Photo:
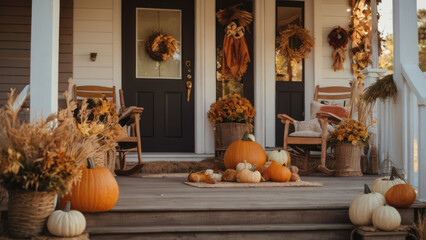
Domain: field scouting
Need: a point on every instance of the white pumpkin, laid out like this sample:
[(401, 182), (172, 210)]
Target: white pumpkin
[(382, 185), (244, 165), (249, 175), (66, 223), (251, 137), (280, 156), (362, 207), (386, 218), (216, 176), (208, 172)]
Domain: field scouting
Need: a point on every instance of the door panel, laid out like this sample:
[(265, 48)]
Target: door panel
[(290, 77), (167, 123)]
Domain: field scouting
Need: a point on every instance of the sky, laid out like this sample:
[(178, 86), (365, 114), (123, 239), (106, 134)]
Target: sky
[(385, 10)]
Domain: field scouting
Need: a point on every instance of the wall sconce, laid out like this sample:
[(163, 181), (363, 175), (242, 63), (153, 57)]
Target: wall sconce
[(93, 56)]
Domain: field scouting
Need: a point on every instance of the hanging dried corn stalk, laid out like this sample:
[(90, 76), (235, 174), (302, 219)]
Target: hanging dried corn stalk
[(338, 39), (361, 37), (235, 51)]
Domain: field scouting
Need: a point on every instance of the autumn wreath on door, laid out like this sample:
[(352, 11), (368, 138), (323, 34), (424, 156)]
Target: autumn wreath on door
[(295, 43), (161, 47), (235, 52)]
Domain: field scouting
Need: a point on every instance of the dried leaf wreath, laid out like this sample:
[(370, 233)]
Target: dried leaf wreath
[(338, 39), (295, 43), (161, 47), (235, 51)]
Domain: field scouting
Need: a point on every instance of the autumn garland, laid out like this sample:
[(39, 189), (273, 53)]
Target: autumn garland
[(284, 43), (161, 47), (338, 39), (361, 40)]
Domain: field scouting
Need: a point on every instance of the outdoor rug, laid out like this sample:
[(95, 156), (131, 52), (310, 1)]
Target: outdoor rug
[(253, 185)]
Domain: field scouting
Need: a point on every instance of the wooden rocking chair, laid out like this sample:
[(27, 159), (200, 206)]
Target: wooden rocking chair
[(129, 117), (304, 145)]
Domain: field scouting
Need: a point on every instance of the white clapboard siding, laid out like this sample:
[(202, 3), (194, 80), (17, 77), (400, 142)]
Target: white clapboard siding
[(94, 31), (333, 13)]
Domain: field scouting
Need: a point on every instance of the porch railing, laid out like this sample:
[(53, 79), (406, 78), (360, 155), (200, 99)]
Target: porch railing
[(414, 126)]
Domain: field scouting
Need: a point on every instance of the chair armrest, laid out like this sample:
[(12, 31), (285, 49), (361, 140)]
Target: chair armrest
[(129, 111), (285, 117)]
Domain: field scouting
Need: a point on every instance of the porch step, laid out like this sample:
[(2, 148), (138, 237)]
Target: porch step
[(226, 218), (258, 231)]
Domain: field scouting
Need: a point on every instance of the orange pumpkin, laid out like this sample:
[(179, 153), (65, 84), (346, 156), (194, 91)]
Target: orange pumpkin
[(244, 149), (277, 173), (96, 192), (401, 195)]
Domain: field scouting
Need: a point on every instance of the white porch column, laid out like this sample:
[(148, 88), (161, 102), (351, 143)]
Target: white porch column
[(44, 57), (406, 64)]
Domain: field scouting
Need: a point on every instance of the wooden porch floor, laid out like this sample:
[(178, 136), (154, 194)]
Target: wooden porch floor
[(166, 208), (171, 194)]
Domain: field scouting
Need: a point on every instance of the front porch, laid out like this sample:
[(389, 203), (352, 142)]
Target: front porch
[(163, 207)]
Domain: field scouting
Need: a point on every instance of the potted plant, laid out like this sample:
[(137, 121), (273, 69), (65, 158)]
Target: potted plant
[(349, 137), (232, 115), (39, 160), (98, 117)]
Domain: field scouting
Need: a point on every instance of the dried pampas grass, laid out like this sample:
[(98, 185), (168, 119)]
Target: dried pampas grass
[(44, 154)]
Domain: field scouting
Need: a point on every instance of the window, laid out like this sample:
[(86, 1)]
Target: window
[(149, 21)]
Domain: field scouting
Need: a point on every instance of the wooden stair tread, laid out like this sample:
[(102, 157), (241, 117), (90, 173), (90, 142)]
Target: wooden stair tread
[(219, 228)]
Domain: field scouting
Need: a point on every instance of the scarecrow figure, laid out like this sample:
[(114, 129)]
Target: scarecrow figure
[(235, 52)]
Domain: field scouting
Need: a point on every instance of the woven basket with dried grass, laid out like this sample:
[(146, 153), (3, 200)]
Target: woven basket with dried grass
[(28, 212), (39, 160)]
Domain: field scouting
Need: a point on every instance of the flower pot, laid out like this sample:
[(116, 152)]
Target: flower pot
[(227, 133), (28, 212), (348, 160)]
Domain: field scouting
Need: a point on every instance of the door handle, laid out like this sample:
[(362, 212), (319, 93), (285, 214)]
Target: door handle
[(188, 89)]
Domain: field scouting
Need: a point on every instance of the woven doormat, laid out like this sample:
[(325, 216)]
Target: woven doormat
[(254, 185)]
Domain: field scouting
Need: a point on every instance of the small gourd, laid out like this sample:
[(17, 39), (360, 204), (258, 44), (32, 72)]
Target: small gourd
[(249, 175), (66, 223), (230, 175), (216, 176), (251, 137), (197, 177), (241, 166), (363, 205), (208, 172), (280, 156), (383, 184), (386, 218)]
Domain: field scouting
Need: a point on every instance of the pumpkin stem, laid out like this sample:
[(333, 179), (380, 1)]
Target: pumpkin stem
[(253, 168), (366, 189), (246, 136), (395, 173), (90, 163), (67, 207)]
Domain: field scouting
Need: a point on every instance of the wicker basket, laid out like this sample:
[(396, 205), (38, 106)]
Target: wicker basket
[(106, 158), (28, 212), (227, 133), (348, 160)]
